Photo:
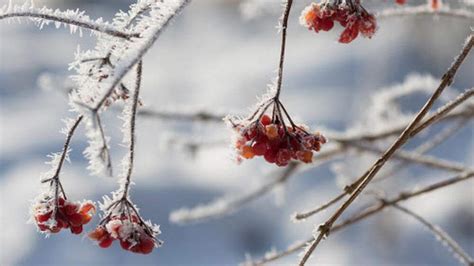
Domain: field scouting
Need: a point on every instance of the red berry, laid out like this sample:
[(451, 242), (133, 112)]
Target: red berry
[(327, 24), (283, 156), (70, 208), (106, 242), (61, 201), (135, 249), (271, 131), (349, 34), (87, 208), (125, 244), (259, 148), (41, 218), (251, 133), (42, 227), (75, 219), (265, 120), (86, 218), (61, 223), (270, 156), (76, 229), (98, 234), (247, 152), (146, 244), (305, 156)]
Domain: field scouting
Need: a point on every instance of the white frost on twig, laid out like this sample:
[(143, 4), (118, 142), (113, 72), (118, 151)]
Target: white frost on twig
[(74, 19)]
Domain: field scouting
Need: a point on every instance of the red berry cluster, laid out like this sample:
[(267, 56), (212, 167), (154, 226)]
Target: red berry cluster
[(350, 15), (276, 143), (130, 232), (67, 215)]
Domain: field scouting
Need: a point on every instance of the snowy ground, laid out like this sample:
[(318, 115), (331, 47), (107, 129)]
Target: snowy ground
[(213, 58)]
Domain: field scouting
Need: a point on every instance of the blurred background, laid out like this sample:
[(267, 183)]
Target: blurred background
[(218, 56)]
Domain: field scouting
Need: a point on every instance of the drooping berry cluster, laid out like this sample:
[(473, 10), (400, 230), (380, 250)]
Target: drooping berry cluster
[(51, 216), (129, 229), (272, 139), (350, 14)]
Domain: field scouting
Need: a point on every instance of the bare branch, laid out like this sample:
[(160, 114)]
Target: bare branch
[(441, 114), (402, 139), (444, 110), (200, 115), (227, 205), (413, 157), (374, 209), (430, 144), (224, 206)]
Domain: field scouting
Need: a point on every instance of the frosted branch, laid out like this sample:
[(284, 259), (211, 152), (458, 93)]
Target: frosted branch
[(227, 205), (401, 140), (72, 18), (160, 20), (368, 212)]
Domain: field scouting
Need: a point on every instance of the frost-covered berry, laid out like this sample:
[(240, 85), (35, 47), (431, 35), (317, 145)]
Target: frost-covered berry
[(52, 215), (133, 234), (350, 14)]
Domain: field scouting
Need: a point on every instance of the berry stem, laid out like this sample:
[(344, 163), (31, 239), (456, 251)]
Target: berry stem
[(132, 130), (55, 179), (286, 14)]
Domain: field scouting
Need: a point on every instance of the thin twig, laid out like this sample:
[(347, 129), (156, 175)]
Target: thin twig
[(201, 116), (433, 142), (284, 26), (374, 209), (224, 206), (105, 150), (402, 139), (467, 112), (441, 114), (413, 157), (444, 110), (221, 207), (442, 235), (54, 180), (408, 157)]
